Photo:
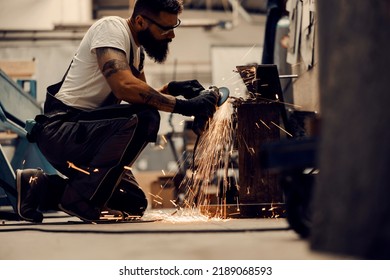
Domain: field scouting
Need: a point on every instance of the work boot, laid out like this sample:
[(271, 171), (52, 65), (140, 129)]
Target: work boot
[(128, 197), (29, 185), (74, 204)]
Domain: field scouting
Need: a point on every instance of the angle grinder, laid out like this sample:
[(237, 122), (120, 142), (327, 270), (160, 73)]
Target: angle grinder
[(200, 122)]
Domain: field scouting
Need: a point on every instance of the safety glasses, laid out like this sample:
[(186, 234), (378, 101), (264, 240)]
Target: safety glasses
[(166, 29)]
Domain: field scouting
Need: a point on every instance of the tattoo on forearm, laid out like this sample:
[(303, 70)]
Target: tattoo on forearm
[(113, 66), (156, 100), (147, 98)]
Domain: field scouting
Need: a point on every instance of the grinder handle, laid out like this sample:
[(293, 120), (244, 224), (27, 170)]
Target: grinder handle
[(199, 124)]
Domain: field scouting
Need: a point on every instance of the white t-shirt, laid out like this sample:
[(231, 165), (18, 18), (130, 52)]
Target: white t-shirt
[(85, 86)]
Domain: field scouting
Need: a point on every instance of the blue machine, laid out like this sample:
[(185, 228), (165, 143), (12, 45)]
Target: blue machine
[(16, 106)]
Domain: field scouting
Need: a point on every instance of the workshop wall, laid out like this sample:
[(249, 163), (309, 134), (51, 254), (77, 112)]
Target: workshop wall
[(43, 14)]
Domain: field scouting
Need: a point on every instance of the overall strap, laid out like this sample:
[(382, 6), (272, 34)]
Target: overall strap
[(52, 105), (136, 72), (55, 88), (66, 73)]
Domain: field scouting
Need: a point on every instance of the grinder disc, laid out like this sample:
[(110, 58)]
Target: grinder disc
[(224, 92)]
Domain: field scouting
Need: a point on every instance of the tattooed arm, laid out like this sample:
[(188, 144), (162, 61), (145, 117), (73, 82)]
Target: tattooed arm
[(114, 66)]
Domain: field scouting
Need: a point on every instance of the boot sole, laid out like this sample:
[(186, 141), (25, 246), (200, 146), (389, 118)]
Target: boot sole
[(71, 213)]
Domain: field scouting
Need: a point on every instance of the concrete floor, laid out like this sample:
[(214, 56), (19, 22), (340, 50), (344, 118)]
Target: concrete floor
[(158, 236)]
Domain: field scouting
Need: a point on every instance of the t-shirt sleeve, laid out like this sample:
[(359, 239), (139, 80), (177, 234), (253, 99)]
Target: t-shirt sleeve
[(109, 33)]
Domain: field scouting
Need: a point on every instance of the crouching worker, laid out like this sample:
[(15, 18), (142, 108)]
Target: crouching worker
[(89, 135)]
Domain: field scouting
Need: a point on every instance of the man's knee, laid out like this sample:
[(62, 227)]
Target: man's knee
[(153, 116), (150, 120)]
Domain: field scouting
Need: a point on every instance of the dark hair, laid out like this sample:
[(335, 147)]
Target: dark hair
[(154, 7)]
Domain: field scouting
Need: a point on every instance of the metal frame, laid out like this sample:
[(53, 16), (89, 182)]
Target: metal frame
[(12, 118)]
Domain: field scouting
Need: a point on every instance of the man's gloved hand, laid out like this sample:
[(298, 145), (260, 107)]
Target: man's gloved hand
[(188, 89), (202, 105)]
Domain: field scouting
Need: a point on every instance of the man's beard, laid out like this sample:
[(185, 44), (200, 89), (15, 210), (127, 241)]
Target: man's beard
[(156, 49)]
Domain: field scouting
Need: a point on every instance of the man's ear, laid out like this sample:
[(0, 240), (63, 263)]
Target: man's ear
[(139, 22)]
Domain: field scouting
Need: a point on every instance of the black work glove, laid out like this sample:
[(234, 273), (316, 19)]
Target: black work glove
[(188, 89), (202, 105)]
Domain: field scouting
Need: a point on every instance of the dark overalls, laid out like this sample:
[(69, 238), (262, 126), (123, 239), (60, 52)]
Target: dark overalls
[(93, 149)]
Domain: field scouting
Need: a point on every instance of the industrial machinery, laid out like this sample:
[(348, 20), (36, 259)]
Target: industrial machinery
[(285, 168), (276, 157), (245, 188)]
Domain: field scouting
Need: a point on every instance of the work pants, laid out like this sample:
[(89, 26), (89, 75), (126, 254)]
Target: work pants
[(94, 149)]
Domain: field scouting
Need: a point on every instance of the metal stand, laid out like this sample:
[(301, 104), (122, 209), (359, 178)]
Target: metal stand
[(12, 120)]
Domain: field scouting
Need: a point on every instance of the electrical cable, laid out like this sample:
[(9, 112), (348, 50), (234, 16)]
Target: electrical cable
[(194, 168), (189, 231)]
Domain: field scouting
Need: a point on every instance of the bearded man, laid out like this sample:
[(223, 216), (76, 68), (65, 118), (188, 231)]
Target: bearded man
[(89, 135)]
